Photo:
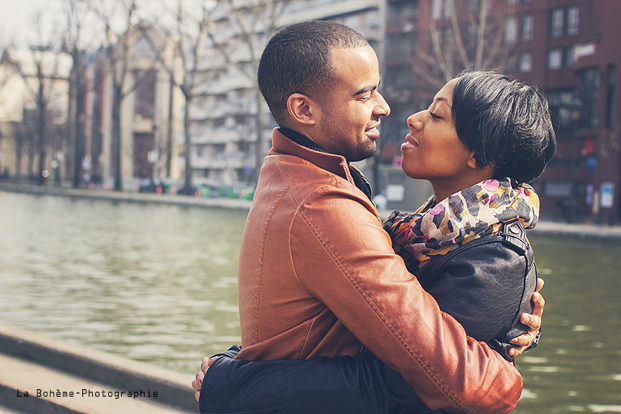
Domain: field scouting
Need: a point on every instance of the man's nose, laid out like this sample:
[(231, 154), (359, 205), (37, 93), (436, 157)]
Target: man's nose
[(382, 108)]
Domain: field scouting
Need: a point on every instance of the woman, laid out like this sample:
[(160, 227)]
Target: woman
[(483, 137)]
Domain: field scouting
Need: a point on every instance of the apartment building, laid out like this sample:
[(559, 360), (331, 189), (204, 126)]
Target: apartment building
[(567, 48), (570, 48), (228, 135)]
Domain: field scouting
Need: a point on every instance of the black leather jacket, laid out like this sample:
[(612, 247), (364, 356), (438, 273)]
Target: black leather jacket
[(486, 285)]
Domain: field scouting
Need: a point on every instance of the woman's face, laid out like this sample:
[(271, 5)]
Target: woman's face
[(434, 152)]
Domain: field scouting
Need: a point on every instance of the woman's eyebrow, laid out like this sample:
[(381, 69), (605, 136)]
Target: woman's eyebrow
[(440, 98)]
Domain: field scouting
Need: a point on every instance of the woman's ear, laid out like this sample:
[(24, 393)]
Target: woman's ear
[(302, 109), (472, 163)]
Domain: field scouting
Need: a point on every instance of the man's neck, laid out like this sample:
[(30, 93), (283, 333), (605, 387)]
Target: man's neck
[(300, 139), (310, 144)]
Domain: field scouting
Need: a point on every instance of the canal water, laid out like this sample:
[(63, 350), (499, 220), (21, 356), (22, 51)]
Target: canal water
[(157, 283)]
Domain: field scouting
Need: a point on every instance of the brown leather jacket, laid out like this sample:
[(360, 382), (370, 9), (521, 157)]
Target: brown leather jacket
[(318, 277)]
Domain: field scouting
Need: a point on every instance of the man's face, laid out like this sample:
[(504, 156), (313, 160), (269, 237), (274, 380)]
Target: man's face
[(352, 106)]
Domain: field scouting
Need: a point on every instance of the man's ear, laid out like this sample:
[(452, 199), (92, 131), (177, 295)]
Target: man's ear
[(302, 109)]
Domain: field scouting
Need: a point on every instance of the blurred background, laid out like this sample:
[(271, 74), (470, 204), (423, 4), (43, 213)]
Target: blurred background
[(161, 95)]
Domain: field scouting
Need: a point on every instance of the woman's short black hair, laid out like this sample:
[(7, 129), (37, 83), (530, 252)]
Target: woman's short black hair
[(505, 122), (297, 60)]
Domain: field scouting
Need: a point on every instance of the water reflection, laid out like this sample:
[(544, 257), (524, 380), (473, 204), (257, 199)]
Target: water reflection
[(577, 366), (154, 283), (158, 283)]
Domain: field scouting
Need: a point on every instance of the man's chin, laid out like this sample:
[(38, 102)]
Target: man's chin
[(364, 153)]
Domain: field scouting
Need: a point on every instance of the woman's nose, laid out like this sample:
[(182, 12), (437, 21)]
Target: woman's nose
[(415, 122)]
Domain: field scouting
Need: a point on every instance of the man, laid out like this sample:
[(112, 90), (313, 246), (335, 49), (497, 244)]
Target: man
[(317, 273)]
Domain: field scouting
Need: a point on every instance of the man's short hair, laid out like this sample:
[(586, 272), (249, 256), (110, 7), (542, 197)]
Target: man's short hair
[(505, 122), (297, 60)]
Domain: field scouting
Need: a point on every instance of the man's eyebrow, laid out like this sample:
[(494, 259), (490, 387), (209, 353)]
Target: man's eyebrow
[(366, 89)]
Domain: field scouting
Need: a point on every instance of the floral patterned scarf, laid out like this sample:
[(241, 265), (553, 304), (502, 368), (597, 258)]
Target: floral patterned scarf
[(437, 228)]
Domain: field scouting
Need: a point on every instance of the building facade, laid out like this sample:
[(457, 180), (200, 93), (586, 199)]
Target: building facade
[(150, 114), (569, 49), (34, 98), (230, 123)]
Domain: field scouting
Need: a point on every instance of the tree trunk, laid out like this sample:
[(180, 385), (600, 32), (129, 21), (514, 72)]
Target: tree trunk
[(41, 128), (169, 131), (187, 188), (78, 154), (260, 150), (18, 159), (116, 139)]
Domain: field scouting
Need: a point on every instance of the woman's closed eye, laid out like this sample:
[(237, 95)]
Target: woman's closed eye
[(434, 116)]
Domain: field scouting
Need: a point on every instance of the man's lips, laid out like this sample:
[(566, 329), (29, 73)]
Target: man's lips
[(372, 132)]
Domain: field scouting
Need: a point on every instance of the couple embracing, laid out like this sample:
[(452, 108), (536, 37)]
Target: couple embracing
[(425, 312)]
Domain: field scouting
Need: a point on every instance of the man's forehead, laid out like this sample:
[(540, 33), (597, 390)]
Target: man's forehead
[(356, 68)]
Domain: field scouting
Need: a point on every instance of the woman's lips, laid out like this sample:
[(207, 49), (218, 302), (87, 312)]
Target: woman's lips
[(409, 143)]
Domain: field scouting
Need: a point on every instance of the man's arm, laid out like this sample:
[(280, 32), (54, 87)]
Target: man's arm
[(337, 385), (233, 384)]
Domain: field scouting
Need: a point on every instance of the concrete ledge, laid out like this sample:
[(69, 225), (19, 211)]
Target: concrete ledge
[(174, 389), (31, 405), (170, 199)]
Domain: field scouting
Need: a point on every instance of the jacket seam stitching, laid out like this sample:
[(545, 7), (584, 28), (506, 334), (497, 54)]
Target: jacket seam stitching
[(310, 328), (384, 319), (257, 295)]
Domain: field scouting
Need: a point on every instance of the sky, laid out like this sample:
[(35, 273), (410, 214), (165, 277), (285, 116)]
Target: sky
[(17, 19)]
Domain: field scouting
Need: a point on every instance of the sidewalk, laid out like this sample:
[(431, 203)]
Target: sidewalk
[(547, 227), (43, 375)]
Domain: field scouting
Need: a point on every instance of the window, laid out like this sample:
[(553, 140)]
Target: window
[(573, 21), (436, 11), (556, 23), (471, 36), (569, 56), (441, 9), (610, 99), (555, 59), (145, 93), (526, 62), (144, 48), (511, 30), (448, 8), (528, 26), (473, 6), (563, 105), (589, 96)]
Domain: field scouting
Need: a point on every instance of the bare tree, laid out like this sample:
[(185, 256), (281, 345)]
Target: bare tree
[(475, 38), (239, 31), (39, 82), (23, 136), (120, 48), (190, 32), (77, 13)]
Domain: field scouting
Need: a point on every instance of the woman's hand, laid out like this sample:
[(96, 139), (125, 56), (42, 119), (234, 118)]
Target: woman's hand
[(533, 321), (198, 381)]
